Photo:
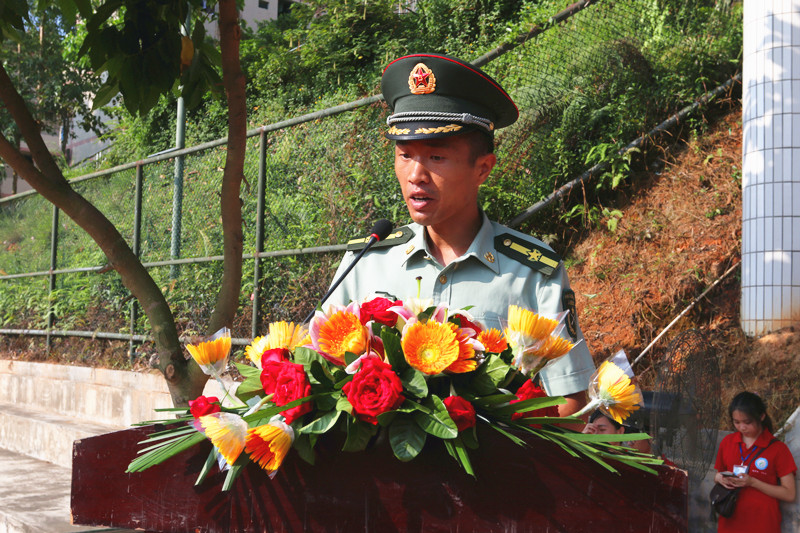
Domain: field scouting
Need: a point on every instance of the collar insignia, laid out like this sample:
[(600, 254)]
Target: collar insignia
[(421, 80)]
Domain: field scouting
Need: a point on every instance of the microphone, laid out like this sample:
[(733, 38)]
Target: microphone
[(380, 230)]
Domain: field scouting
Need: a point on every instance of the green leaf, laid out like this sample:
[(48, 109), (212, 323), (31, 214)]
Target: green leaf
[(211, 460), (438, 423), (343, 404), (414, 382), (406, 438), (248, 371), (349, 357), (304, 446), (318, 372), (358, 435), (457, 450), (587, 437), (249, 388), (104, 94), (393, 349), (323, 423), (489, 375), (233, 473), (305, 356), (529, 405), (165, 451)]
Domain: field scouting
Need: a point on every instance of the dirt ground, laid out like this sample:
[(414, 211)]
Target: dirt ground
[(679, 232)]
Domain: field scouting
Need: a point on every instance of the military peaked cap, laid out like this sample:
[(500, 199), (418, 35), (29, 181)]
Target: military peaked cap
[(434, 95)]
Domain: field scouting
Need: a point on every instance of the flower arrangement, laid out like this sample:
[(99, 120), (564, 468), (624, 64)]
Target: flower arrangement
[(413, 370)]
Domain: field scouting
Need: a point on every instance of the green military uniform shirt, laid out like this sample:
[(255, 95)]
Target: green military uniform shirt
[(485, 278)]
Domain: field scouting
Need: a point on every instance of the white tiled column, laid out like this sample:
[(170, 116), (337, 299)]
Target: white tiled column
[(771, 166)]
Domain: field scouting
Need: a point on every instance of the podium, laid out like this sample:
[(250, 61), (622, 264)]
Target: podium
[(538, 487)]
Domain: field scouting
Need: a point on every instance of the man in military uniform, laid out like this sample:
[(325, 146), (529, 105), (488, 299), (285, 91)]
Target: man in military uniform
[(445, 112)]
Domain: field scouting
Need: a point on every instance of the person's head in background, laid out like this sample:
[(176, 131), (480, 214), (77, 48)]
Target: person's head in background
[(604, 425), (748, 415)]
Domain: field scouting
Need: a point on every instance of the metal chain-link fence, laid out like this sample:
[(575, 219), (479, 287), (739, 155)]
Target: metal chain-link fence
[(597, 74)]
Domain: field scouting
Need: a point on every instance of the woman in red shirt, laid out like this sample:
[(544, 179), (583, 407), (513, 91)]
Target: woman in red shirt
[(769, 478)]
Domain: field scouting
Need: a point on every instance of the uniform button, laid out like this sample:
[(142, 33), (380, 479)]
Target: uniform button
[(442, 279)]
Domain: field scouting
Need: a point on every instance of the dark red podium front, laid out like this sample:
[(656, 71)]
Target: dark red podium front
[(534, 488)]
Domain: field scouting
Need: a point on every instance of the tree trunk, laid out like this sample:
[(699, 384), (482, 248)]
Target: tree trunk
[(231, 206), (185, 379)]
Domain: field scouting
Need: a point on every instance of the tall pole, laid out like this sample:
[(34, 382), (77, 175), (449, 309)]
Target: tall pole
[(770, 166), (177, 180)]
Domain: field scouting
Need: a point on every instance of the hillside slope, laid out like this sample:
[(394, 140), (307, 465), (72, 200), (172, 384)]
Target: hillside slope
[(680, 230)]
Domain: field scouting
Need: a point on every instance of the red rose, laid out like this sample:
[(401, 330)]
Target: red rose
[(461, 411), (377, 310), (274, 355), (530, 390), (269, 375), (466, 323), (375, 389), (288, 381), (204, 406)]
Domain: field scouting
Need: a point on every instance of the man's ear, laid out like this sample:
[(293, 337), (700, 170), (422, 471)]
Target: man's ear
[(484, 165)]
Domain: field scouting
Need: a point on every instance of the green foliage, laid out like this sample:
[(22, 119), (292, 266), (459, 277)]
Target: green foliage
[(585, 88)]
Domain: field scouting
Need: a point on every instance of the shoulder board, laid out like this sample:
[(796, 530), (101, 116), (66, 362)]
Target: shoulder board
[(398, 236), (533, 255)]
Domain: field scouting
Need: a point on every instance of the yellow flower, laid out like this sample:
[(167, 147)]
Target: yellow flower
[(430, 347), (492, 340), (281, 335), (526, 327), (615, 391), (552, 348), (268, 444), (343, 332), (226, 431), (466, 361), (212, 355)]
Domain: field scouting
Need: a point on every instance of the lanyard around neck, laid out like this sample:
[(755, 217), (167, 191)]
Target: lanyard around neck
[(744, 457)]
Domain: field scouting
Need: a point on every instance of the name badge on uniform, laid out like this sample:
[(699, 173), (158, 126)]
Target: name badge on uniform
[(739, 469)]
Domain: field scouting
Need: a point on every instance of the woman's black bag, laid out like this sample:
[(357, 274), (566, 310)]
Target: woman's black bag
[(723, 500)]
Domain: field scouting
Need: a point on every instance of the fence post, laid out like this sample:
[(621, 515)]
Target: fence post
[(262, 179), (51, 284), (137, 232), (177, 190)]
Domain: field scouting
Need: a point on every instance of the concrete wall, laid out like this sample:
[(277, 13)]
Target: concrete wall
[(45, 407)]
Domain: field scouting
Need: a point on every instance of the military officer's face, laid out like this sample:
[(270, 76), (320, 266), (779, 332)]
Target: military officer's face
[(440, 179)]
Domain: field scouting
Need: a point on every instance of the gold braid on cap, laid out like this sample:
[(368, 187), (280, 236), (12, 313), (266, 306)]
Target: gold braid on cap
[(463, 118)]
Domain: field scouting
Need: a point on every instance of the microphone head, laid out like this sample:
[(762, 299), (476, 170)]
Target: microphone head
[(381, 229)]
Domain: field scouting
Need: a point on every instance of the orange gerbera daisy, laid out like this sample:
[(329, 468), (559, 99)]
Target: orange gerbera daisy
[(226, 431), (281, 334), (212, 355), (492, 340), (343, 332), (268, 444), (615, 391), (466, 353), (430, 347)]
